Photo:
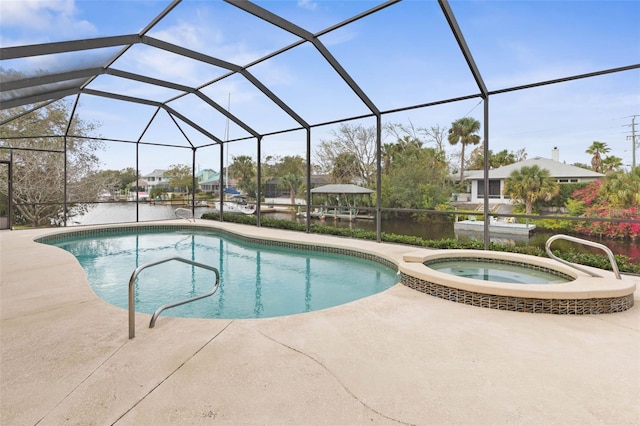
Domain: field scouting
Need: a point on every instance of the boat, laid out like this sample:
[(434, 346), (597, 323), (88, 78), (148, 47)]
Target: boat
[(316, 213), (495, 227), (236, 205), (234, 208)]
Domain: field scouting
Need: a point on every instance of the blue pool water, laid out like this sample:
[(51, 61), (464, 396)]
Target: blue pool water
[(256, 281)]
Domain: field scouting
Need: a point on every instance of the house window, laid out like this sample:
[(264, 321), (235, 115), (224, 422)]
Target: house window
[(494, 188)]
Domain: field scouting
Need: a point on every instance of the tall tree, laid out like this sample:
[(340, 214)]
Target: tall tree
[(290, 164), (498, 159), (611, 164), (407, 139), (291, 171), (417, 178), (113, 181), (39, 168), (180, 177), (356, 140), (344, 168), (407, 133), (243, 169), (388, 151), (622, 189), (464, 131), (436, 135), (530, 184), (597, 149), (420, 136)]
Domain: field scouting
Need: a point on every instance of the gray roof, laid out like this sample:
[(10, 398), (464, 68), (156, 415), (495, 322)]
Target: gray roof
[(156, 173), (556, 170), (341, 189)]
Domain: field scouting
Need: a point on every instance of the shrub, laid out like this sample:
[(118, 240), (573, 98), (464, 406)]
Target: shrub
[(622, 230), (599, 261), (596, 260), (565, 194)]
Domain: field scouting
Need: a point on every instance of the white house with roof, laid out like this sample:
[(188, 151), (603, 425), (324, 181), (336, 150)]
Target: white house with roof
[(561, 172), (206, 179), (156, 178)]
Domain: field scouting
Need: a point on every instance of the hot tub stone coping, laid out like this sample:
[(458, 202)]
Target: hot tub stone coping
[(578, 295)]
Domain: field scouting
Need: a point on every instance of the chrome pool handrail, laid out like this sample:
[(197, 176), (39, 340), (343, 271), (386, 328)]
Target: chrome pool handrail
[(134, 275), (189, 215), (614, 265)]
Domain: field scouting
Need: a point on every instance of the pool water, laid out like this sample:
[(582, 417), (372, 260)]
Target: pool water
[(496, 272), (256, 281)]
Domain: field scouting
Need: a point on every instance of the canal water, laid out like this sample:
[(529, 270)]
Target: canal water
[(120, 212)]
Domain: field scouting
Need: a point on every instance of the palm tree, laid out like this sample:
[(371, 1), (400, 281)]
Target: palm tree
[(596, 149), (464, 131), (622, 189), (530, 184), (244, 170), (392, 151), (611, 164), (387, 153), (292, 182)]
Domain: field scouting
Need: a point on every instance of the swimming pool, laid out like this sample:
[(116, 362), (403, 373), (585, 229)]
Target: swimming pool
[(256, 280)]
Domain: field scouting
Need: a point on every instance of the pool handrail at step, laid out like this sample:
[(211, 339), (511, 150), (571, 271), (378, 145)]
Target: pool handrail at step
[(188, 217), (136, 272), (607, 250)]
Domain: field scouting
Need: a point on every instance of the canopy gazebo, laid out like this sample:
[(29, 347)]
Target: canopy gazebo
[(349, 192)]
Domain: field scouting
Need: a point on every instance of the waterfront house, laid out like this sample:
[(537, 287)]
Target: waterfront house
[(561, 172)]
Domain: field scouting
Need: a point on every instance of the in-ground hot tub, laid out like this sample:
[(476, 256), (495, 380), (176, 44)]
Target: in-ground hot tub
[(503, 271), (499, 280)]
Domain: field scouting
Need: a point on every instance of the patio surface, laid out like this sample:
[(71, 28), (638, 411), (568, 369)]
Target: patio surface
[(396, 358)]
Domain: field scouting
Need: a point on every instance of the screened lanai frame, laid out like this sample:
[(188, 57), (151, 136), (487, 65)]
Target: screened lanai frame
[(44, 89)]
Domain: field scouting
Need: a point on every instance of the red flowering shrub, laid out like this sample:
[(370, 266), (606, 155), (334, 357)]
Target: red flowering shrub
[(597, 205), (590, 195), (619, 230)]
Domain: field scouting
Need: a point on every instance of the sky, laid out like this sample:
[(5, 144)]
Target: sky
[(403, 55)]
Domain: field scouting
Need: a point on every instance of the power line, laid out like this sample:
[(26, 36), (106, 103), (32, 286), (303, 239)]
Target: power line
[(476, 106), (634, 144)]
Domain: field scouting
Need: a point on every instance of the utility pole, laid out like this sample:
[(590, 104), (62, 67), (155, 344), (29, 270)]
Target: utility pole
[(633, 141)]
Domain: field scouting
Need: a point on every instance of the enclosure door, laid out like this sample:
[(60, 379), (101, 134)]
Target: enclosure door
[(5, 195)]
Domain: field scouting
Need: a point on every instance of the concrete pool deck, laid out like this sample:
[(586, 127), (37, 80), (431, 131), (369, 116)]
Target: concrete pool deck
[(398, 357)]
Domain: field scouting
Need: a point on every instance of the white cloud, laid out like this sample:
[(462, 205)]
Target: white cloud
[(188, 35), (40, 17), (307, 4), (207, 40), (340, 36)]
